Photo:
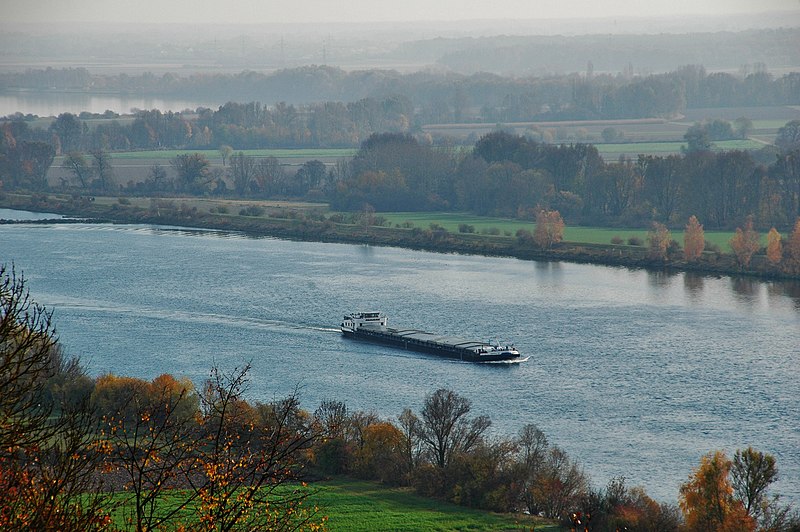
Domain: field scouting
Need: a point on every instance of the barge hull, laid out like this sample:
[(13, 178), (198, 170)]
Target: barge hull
[(410, 339)]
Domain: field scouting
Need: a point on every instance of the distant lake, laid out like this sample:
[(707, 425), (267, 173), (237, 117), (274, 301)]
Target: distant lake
[(53, 104), (634, 373)]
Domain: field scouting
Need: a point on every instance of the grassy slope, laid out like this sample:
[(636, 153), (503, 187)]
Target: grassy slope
[(356, 506), (365, 506)]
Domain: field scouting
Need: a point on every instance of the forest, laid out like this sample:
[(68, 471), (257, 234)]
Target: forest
[(120, 453)]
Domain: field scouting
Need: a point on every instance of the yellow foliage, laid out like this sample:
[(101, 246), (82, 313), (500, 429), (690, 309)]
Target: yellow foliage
[(707, 501), (774, 247), (693, 239), (745, 243), (549, 229)]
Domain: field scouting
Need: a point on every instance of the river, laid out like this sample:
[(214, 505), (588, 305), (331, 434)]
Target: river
[(54, 103), (633, 373)]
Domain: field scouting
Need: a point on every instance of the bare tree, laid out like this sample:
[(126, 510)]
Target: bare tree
[(79, 167), (101, 167), (411, 427), (752, 472), (243, 172), (445, 429), (532, 447)]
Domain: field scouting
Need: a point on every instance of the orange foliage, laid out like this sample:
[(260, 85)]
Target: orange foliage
[(659, 238), (549, 229), (693, 239), (381, 452), (774, 247), (745, 243), (707, 501)]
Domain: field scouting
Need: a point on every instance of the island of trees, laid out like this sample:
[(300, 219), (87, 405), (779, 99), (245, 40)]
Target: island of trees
[(120, 453)]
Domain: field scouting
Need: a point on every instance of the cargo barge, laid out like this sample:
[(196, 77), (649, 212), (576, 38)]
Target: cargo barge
[(373, 327)]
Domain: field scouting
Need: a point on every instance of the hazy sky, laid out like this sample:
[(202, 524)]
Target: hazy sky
[(292, 11)]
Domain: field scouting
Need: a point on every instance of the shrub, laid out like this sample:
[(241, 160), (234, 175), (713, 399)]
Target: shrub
[(635, 241), (466, 228), (123, 201), (617, 240), (252, 210)]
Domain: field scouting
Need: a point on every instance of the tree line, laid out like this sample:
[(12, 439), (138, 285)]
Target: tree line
[(335, 105), (514, 176), (503, 175), (162, 454)]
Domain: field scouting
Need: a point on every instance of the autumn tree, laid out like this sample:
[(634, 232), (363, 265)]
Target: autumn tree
[(707, 498), (745, 243), (150, 438), (46, 470), (549, 229), (381, 454), (659, 238), (693, 239), (792, 250), (250, 459), (774, 246), (560, 484), (618, 507)]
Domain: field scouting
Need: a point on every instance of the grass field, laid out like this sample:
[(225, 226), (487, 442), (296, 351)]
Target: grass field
[(633, 149), (310, 153), (486, 225), (360, 506), (509, 227)]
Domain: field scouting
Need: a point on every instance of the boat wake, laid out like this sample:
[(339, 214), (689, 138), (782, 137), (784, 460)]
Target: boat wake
[(507, 362), (185, 316)]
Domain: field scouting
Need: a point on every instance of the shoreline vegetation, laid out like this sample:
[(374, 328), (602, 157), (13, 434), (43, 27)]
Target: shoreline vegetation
[(308, 222)]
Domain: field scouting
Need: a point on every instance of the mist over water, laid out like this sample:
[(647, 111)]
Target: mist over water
[(633, 373), (46, 104)]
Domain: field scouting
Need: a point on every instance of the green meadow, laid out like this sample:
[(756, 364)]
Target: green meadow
[(358, 506), (505, 227), (362, 506), (632, 149), (309, 153)]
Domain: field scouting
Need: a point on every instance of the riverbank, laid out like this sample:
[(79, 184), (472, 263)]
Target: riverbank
[(306, 222)]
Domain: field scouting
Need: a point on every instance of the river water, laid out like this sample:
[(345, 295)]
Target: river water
[(54, 103), (633, 373)]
